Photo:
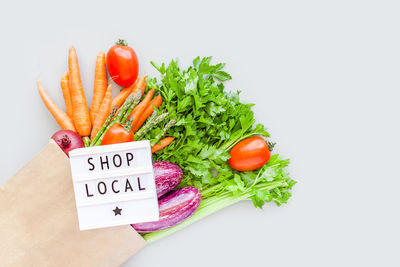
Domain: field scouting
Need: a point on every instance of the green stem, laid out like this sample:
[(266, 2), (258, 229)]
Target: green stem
[(121, 42), (101, 131), (86, 141), (209, 206)]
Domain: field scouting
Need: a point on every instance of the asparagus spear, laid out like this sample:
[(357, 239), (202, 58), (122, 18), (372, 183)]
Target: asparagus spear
[(128, 124), (149, 125), (100, 132), (164, 131), (86, 141), (129, 103), (136, 100)]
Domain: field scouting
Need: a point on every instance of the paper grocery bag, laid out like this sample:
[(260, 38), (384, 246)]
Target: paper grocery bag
[(39, 223)]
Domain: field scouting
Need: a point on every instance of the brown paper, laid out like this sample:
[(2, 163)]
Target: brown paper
[(39, 223)]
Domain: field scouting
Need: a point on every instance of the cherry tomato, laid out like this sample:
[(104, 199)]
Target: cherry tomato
[(249, 154), (117, 134), (122, 64)]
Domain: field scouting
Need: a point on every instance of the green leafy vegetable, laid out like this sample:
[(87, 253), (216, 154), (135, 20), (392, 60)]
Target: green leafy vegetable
[(209, 122)]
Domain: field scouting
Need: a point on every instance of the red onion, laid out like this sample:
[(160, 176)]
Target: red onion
[(68, 140)]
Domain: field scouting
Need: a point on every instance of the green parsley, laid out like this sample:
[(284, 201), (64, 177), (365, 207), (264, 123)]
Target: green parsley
[(209, 122)]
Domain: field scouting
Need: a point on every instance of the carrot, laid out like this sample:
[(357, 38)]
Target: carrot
[(139, 109), (80, 112), (163, 143), (61, 117), (123, 95), (157, 101), (102, 113), (100, 85), (141, 85), (66, 93)]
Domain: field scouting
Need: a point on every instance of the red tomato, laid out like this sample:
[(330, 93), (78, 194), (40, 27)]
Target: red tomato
[(122, 64), (249, 154), (117, 134)]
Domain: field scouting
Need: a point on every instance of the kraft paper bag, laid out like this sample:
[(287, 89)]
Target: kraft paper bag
[(39, 222)]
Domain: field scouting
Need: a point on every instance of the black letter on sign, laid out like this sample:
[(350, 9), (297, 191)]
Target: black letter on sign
[(92, 166), (112, 186), (104, 162), (129, 157), (138, 182), (104, 186), (128, 185), (120, 160), (87, 191)]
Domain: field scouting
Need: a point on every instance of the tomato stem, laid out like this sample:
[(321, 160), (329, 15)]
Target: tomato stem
[(121, 42)]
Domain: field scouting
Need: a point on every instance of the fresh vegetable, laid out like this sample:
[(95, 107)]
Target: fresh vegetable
[(117, 134), (163, 143), (210, 121), (127, 106), (249, 154), (174, 208), (139, 109), (60, 116), (104, 127), (66, 93), (129, 103), (102, 113), (80, 110), (152, 121), (157, 101), (162, 133), (141, 86), (123, 94), (122, 64), (68, 140), (167, 176), (100, 85)]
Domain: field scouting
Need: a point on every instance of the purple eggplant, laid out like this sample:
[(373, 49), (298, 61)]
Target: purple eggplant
[(175, 207), (167, 176)]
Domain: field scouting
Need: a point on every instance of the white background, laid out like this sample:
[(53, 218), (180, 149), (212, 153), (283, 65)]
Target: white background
[(325, 79)]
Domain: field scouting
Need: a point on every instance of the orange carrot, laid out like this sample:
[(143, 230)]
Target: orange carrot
[(66, 93), (123, 95), (141, 85), (163, 143), (157, 101), (80, 112), (139, 109), (103, 112), (61, 117), (100, 85)]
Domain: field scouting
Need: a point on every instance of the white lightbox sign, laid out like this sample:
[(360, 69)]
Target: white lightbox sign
[(114, 185)]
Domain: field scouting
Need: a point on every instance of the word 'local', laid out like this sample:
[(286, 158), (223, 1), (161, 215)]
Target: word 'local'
[(102, 187)]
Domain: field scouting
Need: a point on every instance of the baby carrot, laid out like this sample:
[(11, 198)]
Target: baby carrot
[(100, 85), (157, 101), (80, 112), (163, 143), (139, 109), (61, 117), (66, 93), (102, 113)]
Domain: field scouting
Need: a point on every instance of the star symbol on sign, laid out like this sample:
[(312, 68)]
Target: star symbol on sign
[(117, 211)]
